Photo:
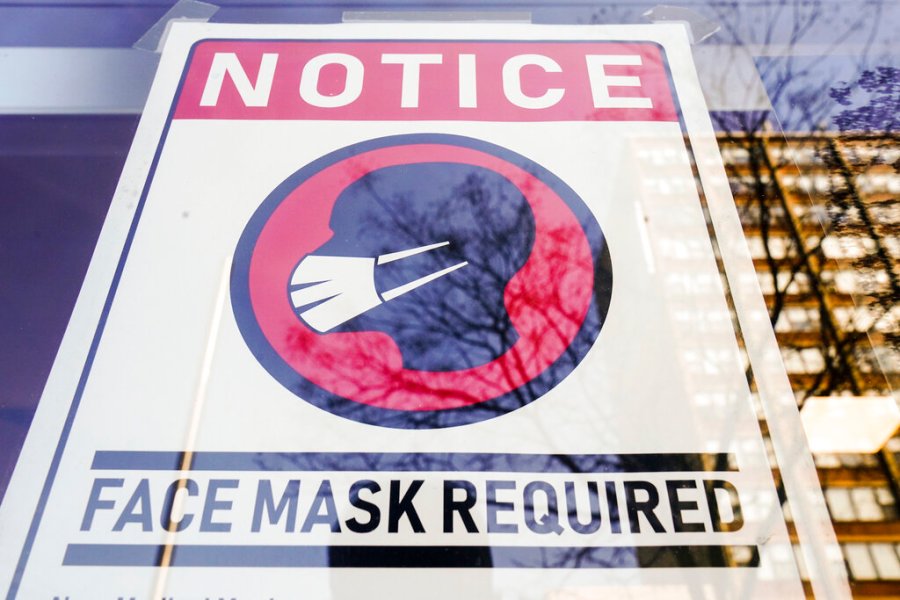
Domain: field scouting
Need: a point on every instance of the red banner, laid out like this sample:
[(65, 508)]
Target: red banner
[(421, 80)]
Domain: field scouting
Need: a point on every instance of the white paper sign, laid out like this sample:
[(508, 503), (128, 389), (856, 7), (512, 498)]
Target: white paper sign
[(418, 311)]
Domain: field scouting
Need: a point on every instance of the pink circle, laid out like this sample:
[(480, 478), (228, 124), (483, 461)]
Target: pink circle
[(547, 300)]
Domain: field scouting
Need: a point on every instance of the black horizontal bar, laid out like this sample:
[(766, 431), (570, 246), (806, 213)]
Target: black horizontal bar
[(414, 557), (413, 462)]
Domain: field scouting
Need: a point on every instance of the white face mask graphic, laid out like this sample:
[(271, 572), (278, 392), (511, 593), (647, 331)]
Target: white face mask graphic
[(343, 287)]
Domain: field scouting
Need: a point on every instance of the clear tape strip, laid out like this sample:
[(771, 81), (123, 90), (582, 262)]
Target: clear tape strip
[(183, 10)]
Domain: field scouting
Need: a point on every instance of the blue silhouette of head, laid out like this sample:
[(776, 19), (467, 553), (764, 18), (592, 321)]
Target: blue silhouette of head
[(457, 321)]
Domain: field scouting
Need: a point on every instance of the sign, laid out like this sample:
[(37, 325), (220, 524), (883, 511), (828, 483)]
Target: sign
[(404, 312)]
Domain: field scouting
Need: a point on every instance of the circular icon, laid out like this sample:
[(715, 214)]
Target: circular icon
[(421, 281)]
